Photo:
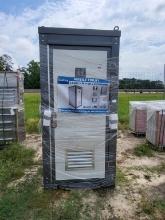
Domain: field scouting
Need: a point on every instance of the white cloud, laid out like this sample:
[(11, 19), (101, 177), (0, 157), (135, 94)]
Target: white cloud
[(142, 23)]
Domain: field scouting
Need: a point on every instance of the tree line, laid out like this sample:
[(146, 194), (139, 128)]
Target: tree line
[(32, 76), (127, 83)]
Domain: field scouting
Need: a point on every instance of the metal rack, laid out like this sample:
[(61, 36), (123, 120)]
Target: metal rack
[(12, 126)]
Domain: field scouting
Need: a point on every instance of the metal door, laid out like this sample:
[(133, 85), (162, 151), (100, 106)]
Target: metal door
[(70, 136), (78, 136)]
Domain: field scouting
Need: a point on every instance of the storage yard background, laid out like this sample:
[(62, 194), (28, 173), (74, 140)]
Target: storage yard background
[(140, 184), (140, 190)]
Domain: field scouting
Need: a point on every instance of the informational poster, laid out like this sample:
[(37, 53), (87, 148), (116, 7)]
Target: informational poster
[(82, 95)]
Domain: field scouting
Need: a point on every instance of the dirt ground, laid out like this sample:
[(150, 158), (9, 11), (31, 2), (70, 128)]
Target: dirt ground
[(125, 201)]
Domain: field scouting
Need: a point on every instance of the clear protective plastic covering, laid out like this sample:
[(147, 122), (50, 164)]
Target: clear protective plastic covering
[(12, 127), (138, 115), (79, 92), (156, 124)]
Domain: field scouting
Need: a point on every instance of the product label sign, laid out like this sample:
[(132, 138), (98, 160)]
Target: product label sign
[(83, 95)]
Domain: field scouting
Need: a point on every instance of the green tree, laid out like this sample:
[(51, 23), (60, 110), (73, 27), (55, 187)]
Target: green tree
[(6, 63), (32, 75), (127, 83)]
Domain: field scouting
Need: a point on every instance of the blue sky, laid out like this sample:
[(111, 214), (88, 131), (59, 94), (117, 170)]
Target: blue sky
[(142, 23), (16, 6)]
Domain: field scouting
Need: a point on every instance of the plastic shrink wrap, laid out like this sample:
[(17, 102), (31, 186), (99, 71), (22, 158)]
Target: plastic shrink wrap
[(12, 127), (79, 93), (138, 115), (156, 125)]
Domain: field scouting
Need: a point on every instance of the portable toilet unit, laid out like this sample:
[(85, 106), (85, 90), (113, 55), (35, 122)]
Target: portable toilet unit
[(79, 96), (75, 96), (12, 127)]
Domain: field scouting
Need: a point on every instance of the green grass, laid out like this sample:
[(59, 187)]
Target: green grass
[(121, 178), (143, 150), (154, 208), (32, 102), (32, 114), (33, 125), (29, 201), (14, 159)]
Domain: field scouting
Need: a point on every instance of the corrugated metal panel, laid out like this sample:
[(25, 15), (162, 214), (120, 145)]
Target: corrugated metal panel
[(11, 107)]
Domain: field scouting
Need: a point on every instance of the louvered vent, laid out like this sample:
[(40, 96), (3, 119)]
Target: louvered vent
[(79, 159)]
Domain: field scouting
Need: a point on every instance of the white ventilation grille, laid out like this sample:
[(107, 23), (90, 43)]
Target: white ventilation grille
[(79, 159)]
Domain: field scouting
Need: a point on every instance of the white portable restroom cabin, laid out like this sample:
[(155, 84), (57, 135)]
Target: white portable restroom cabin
[(12, 127), (79, 137), (75, 96)]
